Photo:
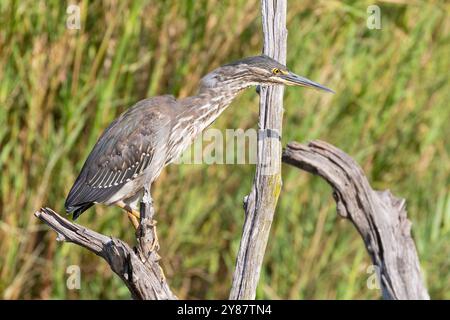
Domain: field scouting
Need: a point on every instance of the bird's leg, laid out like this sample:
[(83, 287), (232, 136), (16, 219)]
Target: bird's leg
[(133, 220), (133, 215)]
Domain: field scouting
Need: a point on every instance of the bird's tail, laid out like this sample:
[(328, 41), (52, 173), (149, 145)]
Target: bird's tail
[(77, 210)]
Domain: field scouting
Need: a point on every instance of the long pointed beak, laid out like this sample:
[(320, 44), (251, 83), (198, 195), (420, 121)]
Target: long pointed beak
[(295, 80)]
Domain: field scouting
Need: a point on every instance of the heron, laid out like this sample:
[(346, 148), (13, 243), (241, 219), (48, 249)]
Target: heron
[(132, 151)]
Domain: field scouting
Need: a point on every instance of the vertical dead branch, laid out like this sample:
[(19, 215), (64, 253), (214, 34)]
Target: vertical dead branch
[(260, 204), (379, 217)]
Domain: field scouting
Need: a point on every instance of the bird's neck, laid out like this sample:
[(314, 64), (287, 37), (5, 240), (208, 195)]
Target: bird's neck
[(198, 112), (210, 105), (211, 101)]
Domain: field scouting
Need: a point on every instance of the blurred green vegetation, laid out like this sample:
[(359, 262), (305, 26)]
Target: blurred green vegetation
[(59, 88)]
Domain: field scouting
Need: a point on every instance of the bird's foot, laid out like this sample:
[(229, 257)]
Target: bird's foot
[(162, 277), (155, 242)]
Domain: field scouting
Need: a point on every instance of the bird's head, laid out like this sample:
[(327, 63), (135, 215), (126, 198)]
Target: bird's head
[(258, 70)]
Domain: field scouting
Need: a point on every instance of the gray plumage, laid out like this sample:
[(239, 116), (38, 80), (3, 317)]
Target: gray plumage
[(135, 147)]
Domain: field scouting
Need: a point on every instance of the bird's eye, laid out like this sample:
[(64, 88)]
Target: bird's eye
[(275, 71)]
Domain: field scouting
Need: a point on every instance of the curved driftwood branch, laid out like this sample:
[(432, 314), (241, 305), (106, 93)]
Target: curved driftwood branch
[(260, 204), (137, 267), (379, 216)]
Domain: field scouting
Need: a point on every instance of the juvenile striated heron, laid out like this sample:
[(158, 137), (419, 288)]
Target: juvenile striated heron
[(134, 148)]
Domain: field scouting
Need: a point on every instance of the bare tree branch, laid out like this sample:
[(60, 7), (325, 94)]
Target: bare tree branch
[(138, 268), (260, 204), (379, 216)]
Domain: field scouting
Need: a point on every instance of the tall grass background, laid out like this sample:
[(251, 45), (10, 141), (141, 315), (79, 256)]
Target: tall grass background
[(60, 88)]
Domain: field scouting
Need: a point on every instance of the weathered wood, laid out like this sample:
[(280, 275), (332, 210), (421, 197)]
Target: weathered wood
[(379, 217), (260, 204), (138, 268)]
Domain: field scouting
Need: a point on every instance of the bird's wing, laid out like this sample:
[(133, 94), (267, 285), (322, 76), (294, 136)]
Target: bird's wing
[(124, 150)]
